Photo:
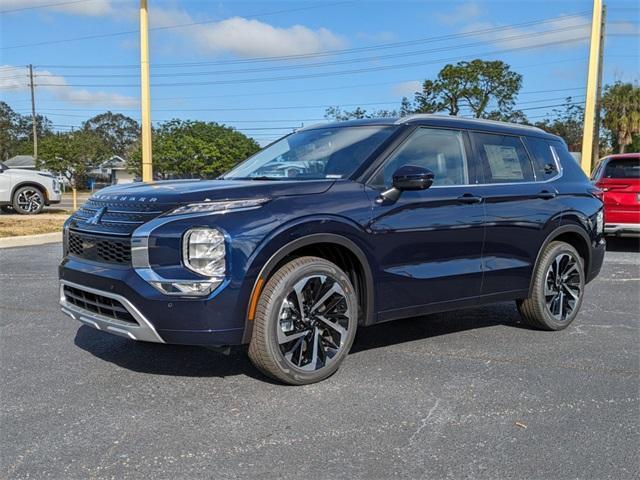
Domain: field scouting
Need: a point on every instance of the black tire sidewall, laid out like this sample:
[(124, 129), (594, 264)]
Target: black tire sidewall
[(283, 288), (549, 256), (19, 210)]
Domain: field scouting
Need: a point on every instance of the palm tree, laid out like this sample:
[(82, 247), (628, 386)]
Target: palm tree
[(621, 103)]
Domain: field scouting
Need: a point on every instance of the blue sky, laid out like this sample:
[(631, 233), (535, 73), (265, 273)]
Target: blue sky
[(208, 58)]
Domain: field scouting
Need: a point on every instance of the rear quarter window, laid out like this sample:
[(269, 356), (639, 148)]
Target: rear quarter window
[(544, 164)]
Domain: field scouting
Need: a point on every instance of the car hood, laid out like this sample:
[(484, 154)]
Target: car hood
[(176, 192), (23, 171)]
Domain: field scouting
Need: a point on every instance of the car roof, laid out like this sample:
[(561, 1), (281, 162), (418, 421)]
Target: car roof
[(444, 121), (621, 156)]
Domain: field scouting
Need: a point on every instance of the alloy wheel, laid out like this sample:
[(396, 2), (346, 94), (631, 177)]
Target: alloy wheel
[(29, 200), (313, 322), (563, 286)]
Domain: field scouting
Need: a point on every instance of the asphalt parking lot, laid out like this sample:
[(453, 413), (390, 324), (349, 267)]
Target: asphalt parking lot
[(472, 394)]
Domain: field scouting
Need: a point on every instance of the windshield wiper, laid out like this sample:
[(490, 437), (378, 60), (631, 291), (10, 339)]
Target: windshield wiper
[(262, 177)]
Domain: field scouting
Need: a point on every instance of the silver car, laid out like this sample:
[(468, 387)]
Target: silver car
[(27, 191)]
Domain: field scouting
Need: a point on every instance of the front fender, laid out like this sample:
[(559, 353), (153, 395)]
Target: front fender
[(299, 233)]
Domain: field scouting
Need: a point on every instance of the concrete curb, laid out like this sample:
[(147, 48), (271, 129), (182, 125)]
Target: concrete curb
[(29, 240)]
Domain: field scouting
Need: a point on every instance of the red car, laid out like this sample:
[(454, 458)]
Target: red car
[(618, 176)]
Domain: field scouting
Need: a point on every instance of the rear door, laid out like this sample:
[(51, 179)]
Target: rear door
[(619, 179), (428, 244), (521, 207)]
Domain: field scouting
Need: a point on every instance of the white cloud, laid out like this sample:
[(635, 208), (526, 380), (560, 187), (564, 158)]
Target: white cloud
[(461, 14), (91, 8), (407, 88), (563, 29), (57, 86), (250, 38), (246, 37)]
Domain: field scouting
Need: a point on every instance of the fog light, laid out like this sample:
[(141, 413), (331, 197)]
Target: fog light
[(203, 252), (186, 287)]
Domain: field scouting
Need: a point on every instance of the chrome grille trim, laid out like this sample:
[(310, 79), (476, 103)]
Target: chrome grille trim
[(143, 330)]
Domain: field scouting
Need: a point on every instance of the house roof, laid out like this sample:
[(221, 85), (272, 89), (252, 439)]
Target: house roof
[(21, 161)]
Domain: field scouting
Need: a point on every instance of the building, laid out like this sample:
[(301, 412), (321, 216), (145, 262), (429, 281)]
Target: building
[(112, 171)]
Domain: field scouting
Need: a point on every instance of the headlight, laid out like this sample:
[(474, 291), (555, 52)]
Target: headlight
[(219, 207), (203, 252)]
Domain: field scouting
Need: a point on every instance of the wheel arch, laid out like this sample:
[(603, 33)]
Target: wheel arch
[(336, 248), (574, 236), (31, 183)]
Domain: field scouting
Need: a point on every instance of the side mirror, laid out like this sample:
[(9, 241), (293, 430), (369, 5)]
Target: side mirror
[(412, 178), (407, 178)]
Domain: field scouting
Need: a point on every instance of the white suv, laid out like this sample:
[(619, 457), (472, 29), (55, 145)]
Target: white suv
[(27, 191)]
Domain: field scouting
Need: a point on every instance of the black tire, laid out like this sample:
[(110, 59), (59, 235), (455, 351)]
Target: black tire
[(277, 317), (28, 200), (6, 209), (553, 304)]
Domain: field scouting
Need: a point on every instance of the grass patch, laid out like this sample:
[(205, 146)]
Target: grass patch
[(16, 225)]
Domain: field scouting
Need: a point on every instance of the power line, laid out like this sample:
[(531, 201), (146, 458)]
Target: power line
[(315, 54), (319, 64), (35, 7), (167, 27), (325, 74)]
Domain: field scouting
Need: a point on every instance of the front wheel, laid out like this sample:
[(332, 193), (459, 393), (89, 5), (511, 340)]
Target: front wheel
[(28, 200), (305, 322), (558, 288)]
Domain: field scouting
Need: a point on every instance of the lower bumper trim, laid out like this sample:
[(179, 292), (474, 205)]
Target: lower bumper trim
[(143, 331), (622, 228)]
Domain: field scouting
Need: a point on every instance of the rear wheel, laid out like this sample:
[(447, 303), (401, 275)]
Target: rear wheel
[(28, 200), (558, 288), (305, 322)]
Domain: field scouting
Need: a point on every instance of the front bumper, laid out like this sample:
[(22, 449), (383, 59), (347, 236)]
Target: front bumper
[(138, 329), (218, 319), (622, 228)]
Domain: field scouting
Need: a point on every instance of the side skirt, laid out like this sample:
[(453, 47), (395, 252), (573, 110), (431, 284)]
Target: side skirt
[(447, 306)]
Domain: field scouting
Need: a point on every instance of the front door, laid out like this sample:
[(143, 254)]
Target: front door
[(427, 244)]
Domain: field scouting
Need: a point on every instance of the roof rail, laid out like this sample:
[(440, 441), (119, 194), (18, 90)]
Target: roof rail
[(431, 116)]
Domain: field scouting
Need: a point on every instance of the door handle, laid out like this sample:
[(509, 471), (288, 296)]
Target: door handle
[(469, 198), (546, 195)]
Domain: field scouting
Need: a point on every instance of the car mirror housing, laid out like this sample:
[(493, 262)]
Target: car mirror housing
[(407, 178)]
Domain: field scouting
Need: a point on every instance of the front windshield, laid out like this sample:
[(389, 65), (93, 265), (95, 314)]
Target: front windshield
[(313, 154)]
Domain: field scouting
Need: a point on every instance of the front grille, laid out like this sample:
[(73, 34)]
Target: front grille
[(99, 248), (114, 218), (105, 306)]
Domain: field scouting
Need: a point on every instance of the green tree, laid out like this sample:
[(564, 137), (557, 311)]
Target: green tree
[(196, 149), (73, 153), (337, 114), (567, 122), (621, 105), (475, 85), (16, 132), (119, 132)]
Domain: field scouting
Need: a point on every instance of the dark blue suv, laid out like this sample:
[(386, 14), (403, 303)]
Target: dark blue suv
[(337, 227)]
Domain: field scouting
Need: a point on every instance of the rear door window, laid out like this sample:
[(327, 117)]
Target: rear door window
[(503, 158), (622, 168)]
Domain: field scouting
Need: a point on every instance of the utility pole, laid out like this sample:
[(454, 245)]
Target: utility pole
[(592, 86), (34, 121), (145, 94), (596, 138)]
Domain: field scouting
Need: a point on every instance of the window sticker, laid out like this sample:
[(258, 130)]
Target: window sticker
[(503, 162)]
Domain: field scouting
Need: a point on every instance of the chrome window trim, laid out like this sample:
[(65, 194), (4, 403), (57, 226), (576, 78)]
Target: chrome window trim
[(144, 331)]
